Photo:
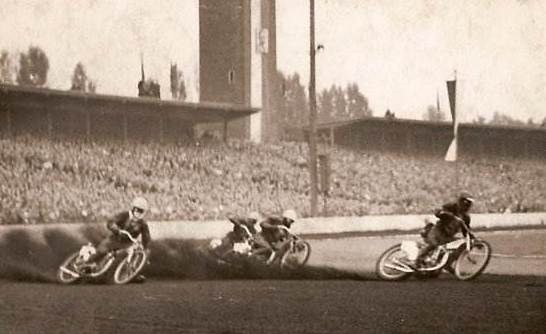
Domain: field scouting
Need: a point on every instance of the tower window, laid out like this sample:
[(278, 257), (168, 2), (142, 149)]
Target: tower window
[(231, 76)]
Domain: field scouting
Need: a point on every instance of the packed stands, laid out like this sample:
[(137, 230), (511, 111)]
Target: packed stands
[(44, 181)]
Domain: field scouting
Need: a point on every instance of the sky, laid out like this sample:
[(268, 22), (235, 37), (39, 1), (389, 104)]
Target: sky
[(400, 53)]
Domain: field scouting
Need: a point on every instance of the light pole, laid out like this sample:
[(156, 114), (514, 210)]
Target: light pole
[(312, 112)]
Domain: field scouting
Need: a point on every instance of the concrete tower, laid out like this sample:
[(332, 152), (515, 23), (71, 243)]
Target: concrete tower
[(237, 62)]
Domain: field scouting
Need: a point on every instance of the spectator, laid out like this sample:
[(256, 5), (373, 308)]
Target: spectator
[(44, 181)]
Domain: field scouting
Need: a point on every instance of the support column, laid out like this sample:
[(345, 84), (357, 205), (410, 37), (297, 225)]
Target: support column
[(49, 124), (525, 148), (225, 130), (8, 116), (383, 141), (161, 127), (88, 124), (125, 126), (408, 141)]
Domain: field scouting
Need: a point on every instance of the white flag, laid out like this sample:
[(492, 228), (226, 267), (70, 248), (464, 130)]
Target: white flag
[(451, 154)]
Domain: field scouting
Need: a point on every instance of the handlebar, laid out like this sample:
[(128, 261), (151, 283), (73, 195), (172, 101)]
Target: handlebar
[(282, 227), (128, 235)]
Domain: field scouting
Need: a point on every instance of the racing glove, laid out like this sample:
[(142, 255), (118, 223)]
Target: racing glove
[(114, 229)]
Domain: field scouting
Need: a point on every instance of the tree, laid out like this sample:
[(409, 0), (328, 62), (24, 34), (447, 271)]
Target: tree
[(340, 103), (81, 82), (91, 87), (299, 102), (79, 78), (33, 67), (479, 120), (149, 88), (293, 107), (434, 115), (325, 106), (178, 85), (503, 119), (6, 68), (357, 103)]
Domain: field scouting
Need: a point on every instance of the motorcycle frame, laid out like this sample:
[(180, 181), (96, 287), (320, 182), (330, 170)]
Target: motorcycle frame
[(445, 250)]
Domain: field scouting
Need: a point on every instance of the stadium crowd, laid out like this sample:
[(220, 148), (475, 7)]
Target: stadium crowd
[(74, 181)]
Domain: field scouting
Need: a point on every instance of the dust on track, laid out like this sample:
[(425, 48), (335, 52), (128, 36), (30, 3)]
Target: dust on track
[(27, 256)]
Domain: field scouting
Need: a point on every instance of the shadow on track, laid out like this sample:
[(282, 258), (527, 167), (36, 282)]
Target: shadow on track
[(34, 256), (188, 259), (28, 255)]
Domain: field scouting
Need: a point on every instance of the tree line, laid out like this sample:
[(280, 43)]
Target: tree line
[(434, 114), (32, 69), (336, 103)]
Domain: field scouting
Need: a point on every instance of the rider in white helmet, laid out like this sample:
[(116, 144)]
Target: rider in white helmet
[(131, 221)]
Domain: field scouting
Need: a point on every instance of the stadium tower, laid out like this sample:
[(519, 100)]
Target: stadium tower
[(238, 63)]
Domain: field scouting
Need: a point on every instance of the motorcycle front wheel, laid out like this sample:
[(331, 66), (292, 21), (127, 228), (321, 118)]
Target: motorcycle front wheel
[(472, 263), (129, 268), (297, 255), (385, 266), (66, 272)]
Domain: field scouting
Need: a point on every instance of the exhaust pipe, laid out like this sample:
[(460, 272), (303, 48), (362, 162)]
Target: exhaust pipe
[(400, 267), (70, 272)]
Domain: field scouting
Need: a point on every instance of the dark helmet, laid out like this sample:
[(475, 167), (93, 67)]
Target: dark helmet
[(254, 217), (465, 199), (289, 216)]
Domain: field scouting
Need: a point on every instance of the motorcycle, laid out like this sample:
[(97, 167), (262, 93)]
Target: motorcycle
[(132, 260), (466, 258), (239, 245)]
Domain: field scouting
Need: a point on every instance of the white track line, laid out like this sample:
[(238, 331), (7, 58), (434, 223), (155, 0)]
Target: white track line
[(520, 256)]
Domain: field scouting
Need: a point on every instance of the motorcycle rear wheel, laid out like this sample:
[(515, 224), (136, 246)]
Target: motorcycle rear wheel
[(129, 269), (296, 256), (65, 277), (472, 263), (389, 255)]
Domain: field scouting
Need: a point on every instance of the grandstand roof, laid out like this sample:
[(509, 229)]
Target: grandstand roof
[(337, 124), (198, 112)]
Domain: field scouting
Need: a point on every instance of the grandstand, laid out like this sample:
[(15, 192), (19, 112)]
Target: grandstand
[(432, 138), (71, 157), (73, 181), (60, 114)]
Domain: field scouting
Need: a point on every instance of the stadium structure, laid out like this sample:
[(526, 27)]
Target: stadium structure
[(238, 96)]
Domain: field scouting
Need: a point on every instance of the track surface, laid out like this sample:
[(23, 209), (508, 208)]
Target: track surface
[(520, 252), (490, 305), (317, 301)]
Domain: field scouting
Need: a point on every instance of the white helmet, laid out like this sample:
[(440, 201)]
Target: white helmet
[(290, 214), (141, 204), (254, 215)]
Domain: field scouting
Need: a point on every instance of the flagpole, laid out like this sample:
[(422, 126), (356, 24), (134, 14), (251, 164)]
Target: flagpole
[(451, 154), (456, 135)]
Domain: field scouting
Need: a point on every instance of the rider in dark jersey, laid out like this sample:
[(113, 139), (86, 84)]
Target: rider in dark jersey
[(274, 231), (453, 217), (131, 221)]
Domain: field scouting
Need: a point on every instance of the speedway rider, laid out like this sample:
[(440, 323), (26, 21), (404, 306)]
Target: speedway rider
[(131, 221), (453, 217), (274, 232), (244, 231)]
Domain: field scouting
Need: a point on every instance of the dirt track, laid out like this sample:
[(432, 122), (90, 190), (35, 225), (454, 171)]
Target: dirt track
[(186, 294), (520, 252), (489, 305)]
